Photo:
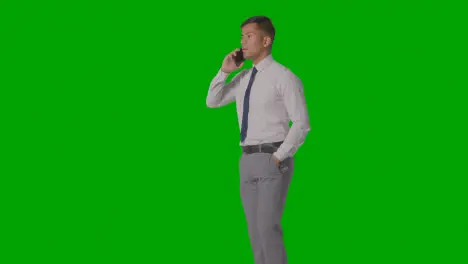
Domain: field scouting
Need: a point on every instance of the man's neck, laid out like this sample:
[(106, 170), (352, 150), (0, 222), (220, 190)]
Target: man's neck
[(261, 57)]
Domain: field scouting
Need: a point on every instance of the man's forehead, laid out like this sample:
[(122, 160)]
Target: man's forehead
[(248, 32)]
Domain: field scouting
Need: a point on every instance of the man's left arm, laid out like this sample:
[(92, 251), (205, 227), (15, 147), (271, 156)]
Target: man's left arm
[(295, 103)]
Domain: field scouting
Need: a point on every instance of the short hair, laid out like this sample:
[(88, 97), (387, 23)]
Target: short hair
[(264, 23)]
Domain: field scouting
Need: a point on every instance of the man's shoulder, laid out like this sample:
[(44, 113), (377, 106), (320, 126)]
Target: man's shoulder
[(283, 72), (284, 76)]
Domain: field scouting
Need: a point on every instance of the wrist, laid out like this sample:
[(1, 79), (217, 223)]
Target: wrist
[(224, 71), (275, 159)]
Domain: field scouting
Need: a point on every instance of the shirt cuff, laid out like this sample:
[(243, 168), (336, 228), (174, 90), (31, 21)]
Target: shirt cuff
[(222, 74), (279, 156)]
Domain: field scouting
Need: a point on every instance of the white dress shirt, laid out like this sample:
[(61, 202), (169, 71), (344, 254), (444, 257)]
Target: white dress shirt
[(276, 98)]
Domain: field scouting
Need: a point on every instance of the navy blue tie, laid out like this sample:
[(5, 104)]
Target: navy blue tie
[(245, 114)]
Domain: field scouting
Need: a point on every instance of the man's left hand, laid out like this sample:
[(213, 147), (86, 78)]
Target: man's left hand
[(276, 160)]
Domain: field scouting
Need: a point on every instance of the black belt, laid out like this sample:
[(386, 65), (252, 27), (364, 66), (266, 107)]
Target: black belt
[(263, 148)]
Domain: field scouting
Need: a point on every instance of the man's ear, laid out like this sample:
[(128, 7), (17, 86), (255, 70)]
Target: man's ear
[(266, 41)]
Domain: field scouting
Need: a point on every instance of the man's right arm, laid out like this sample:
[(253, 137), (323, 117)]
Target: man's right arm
[(221, 93)]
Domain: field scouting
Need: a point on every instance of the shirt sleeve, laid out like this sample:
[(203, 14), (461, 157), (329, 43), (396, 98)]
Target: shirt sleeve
[(221, 93), (292, 91)]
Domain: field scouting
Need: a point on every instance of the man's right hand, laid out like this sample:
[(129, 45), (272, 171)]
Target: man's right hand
[(229, 63)]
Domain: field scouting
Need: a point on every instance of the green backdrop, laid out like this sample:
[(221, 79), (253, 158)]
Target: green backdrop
[(110, 154)]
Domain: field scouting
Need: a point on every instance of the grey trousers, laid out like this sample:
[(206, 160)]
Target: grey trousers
[(263, 189)]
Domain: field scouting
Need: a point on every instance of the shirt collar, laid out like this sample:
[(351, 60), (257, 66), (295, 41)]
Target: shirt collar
[(263, 64)]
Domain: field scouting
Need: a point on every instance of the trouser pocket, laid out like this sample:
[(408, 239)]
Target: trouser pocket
[(275, 168)]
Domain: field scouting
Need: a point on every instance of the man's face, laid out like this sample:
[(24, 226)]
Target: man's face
[(253, 41)]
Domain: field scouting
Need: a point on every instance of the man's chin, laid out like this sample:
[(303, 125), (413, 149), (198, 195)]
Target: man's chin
[(248, 56)]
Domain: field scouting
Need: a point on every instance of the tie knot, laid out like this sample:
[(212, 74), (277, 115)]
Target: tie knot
[(254, 70)]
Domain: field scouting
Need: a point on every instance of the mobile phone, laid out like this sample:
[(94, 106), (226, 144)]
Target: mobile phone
[(239, 58)]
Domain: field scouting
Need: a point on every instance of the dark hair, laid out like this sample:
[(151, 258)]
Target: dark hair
[(264, 23)]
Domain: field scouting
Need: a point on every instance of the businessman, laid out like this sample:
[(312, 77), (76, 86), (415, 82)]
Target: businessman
[(268, 97)]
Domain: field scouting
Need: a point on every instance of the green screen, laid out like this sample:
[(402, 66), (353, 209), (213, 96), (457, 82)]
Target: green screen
[(110, 154)]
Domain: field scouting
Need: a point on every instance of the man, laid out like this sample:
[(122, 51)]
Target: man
[(268, 96)]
